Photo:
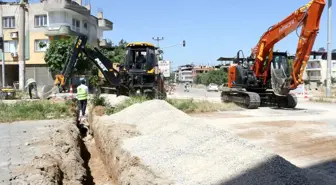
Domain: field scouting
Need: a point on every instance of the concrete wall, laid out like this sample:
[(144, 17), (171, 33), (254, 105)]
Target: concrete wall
[(40, 73)]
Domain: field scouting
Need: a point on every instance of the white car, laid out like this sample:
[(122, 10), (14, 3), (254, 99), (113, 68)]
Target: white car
[(212, 87)]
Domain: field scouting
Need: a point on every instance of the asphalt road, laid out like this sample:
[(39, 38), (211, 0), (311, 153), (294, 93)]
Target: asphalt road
[(196, 93)]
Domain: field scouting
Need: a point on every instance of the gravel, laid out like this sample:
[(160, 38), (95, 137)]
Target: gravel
[(176, 147), (113, 100)]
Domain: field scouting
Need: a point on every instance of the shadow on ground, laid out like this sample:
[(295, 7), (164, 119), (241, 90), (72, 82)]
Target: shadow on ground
[(278, 171)]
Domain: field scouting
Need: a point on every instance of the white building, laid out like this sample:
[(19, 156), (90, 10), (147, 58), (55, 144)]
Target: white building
[(316, 70), (185, 73)]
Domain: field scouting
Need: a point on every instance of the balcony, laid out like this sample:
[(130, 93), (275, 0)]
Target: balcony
[(313, 69), (105, 24), (61, 5), (314, 78), (105, 43), (59, 29)]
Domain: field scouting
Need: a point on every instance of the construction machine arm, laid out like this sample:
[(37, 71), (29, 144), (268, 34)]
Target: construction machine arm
[(103, 63), (308, 17)]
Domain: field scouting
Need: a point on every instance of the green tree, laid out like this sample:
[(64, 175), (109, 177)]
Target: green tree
[(60, 50), (117, 54), (216, 76)]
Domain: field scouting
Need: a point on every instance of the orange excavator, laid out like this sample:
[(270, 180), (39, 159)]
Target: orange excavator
[(264, 77)]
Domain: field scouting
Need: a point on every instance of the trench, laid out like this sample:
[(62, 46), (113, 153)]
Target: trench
[(96, 174), (95, 168)]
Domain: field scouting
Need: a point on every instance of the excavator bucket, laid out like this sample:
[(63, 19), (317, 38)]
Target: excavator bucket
[(280, 81)]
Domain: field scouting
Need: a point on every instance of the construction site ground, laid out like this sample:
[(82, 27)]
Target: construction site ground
[(122, 148), (306, 136)]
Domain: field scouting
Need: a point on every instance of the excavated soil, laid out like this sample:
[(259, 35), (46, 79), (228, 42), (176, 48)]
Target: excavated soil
[(96, 165), (63, 164)]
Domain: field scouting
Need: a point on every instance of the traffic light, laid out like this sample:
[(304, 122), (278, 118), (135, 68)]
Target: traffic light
[(1, 43), (184, 43)]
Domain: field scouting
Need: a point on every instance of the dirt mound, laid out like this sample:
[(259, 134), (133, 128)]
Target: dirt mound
[(154, 143), (61, 165)]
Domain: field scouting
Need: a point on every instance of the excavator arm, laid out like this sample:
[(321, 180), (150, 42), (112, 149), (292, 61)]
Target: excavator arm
[(308, 17), (103, 63)]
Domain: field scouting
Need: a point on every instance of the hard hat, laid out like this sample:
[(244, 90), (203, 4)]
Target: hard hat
[(82, 80)]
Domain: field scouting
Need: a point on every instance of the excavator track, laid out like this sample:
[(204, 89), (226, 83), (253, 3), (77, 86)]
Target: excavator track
[(252, 100), (249, 100)]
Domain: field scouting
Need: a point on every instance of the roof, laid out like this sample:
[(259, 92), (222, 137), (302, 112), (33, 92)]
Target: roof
[(132, 44), (225, 58)]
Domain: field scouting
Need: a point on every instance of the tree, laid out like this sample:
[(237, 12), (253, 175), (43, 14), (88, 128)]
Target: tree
[(118, 52), (216, 76), (60, 50)]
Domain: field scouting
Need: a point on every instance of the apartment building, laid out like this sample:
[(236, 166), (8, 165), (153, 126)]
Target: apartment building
[(201, 69), (185, 73), (316, 70), (45, 21)]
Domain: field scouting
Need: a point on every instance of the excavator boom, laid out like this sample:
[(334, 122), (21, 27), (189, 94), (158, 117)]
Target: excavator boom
[(308, 17)]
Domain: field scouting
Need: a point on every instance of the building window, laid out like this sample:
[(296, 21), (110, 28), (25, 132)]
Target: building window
[(38, 44), (76, 25), (40, 20), (10, 46), (8, 22), (85, 25)]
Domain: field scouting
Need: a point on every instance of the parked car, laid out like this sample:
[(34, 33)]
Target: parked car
[(212, 87)]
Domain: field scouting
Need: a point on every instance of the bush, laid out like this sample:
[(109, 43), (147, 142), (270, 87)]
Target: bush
[(35, 110), (185, 105), (97, 100), (216, 76), (202, 106), (119, 107)]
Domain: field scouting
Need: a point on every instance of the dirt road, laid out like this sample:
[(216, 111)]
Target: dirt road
[(305, 136)]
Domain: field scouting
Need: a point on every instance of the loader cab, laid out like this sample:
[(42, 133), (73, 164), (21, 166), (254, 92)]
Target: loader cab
[(140, 56)]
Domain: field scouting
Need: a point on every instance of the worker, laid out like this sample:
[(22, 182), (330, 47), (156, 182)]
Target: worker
[(31, 84), (141, 60), (82, 95)]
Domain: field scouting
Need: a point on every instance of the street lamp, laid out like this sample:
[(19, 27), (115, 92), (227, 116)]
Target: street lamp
[(328, 85)]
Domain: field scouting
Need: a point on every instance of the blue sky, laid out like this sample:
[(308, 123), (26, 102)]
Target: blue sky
[(211, 28)]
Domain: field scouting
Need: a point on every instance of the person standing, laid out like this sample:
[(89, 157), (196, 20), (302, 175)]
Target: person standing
[(82, 96), (31, 84)]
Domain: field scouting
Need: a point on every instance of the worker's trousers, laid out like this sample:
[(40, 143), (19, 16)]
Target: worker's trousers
[(31, 87), (82, 105)]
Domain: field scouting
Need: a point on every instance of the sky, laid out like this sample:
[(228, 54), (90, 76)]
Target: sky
[(211, 29)]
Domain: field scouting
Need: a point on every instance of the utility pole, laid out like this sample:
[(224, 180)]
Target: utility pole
[(22, 30), (328, 85), (2, 51), (158, 39)]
